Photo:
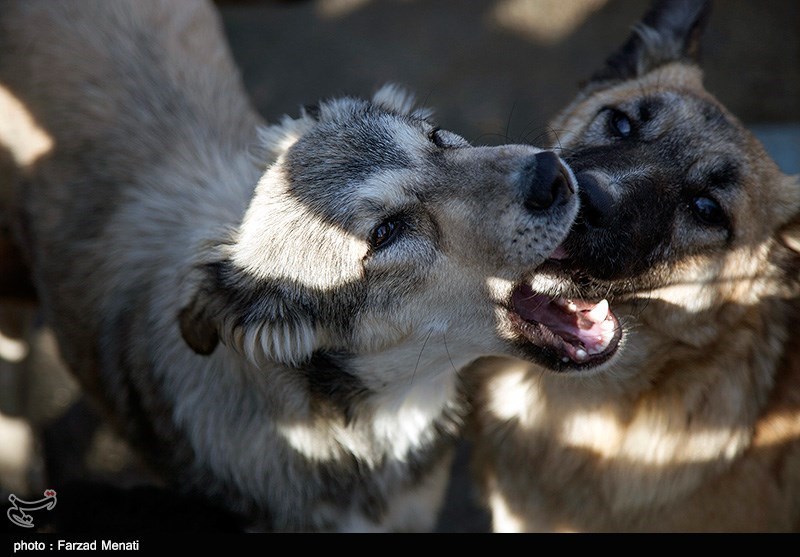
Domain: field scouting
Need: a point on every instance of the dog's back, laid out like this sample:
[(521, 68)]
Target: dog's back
[(142, 106), (135, 85)]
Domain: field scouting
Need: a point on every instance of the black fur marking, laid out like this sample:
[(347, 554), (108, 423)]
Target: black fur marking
[(649, 107), (231, 298), (623, 226), (724, 176), (329, 380), (323, 165)]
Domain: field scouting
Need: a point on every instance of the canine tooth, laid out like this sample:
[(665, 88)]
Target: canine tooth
[(581, 354), (607, 325), (599, 312)]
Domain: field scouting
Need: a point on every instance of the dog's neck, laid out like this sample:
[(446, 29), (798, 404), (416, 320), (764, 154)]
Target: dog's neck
[(653, 430), (395, 421)]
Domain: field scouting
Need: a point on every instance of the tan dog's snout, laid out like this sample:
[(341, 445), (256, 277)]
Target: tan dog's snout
[(598, 199), (546, 181)]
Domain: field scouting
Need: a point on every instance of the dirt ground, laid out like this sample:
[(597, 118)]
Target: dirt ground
[(494, 70)]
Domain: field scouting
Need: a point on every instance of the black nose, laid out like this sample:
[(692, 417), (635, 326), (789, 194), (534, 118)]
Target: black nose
[(547, 181), (597, 202)]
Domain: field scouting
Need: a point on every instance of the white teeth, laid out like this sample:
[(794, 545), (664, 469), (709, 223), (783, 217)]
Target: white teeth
[(599, 312), (607, 325), (580, 354), (572, 307), (565, 359)]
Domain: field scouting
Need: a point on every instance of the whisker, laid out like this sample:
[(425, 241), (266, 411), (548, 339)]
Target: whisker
[(446, 349), (419, 358)]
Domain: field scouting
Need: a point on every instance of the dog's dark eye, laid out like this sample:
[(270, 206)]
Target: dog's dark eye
[(708, 211), (619, 124), (385, 233)]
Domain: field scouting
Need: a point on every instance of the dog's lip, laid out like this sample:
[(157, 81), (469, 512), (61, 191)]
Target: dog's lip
[(560, 253), (574, 333)]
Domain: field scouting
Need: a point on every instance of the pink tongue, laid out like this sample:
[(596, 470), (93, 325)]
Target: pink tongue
[(586, 328)]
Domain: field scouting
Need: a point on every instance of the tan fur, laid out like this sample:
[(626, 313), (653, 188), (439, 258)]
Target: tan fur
[(694, 425)]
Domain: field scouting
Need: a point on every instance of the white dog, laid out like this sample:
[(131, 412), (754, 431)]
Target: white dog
[(279, 333)]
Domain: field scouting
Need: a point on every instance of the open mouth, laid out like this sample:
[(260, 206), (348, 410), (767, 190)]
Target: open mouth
[(575, 333)]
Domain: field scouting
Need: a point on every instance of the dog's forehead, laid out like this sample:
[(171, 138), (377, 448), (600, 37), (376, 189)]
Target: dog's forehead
[(686, 110), (347, 150), (674, 110), (361, 136), (705, 143), (354, 160)]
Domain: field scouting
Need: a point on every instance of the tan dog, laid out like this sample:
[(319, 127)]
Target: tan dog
[(687, 417), (278, 328)]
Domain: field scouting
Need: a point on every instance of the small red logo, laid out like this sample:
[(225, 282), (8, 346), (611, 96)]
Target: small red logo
[(50, 493)]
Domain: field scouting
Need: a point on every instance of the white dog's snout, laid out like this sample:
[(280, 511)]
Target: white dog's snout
[(546, 181)]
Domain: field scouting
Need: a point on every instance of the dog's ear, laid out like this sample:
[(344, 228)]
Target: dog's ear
[(276, 138), (669, 32), (198, 323), (263, 322), (394, 98)]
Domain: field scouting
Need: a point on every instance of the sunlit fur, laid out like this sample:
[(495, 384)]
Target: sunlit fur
[(694, 425)]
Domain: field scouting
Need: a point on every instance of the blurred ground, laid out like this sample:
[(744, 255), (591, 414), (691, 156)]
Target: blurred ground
[(494, 70)]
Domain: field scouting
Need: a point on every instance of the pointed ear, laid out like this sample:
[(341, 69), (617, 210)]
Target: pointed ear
[(669, 32), (394, 98), (275, 139), (263, 322)]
